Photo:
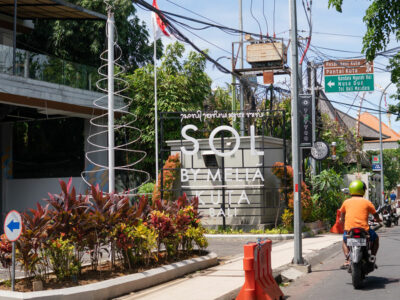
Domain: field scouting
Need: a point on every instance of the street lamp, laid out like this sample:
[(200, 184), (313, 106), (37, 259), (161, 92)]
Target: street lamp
[(380, 145)]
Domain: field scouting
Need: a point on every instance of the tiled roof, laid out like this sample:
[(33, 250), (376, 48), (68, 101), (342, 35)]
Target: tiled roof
[(373, 122)]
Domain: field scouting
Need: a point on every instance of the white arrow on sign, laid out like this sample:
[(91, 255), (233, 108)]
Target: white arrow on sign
[(331, 83)]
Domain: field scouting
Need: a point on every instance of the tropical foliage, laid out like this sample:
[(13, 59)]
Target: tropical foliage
[(59, 235), (327, 195), (182, 85), (83, 40), (278, 169), (391, 167)]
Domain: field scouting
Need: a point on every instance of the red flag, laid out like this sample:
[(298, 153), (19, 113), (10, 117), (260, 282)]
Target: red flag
[(159, 27)]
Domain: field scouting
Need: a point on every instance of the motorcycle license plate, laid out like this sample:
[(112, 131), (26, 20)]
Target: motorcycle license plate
[(356, 242)]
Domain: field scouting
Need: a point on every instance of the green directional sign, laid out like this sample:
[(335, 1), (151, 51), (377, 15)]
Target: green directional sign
[(349, 83)]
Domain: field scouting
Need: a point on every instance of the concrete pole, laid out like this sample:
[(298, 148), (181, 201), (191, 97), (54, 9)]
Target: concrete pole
[(313, 108), (381, 146), (111, 158), (298, 258), (241, 66)]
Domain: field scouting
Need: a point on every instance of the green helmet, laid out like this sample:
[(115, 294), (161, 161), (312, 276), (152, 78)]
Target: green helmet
[(357, 188)]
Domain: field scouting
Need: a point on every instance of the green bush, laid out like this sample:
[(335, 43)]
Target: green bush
[(147, 189), (327, 195), (57, 235)]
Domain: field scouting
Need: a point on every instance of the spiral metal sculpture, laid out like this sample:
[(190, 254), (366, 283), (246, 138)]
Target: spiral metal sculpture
[(89, 176)]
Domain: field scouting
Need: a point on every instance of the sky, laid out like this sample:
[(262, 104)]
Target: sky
[(340, 32)]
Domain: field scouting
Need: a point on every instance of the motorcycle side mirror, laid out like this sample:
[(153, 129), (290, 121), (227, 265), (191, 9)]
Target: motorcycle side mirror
[(346, 191)]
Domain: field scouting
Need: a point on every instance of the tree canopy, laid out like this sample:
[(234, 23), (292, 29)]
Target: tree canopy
[(83, 40), (182, 85), (382, 19)]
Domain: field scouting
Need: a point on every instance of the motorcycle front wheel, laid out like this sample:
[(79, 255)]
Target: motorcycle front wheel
[(357, 275)]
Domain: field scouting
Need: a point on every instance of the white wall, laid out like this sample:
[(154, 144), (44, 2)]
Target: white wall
[(23, 194)]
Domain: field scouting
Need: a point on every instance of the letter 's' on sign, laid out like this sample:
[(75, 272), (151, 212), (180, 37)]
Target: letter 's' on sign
[(195, 142)]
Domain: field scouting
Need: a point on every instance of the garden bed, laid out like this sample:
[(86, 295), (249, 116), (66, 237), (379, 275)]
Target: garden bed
[(121, 285), (103, 272)]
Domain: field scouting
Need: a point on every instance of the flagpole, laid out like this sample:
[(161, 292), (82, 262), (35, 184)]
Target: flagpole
[(155, 101)]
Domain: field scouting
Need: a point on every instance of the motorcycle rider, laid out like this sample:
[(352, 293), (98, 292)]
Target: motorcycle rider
[(354, 213)]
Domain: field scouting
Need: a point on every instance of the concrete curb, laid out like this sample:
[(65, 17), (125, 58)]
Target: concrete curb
[(274, 237), (116, 287)]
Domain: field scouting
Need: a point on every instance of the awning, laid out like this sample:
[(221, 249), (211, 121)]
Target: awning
[(48, 9)]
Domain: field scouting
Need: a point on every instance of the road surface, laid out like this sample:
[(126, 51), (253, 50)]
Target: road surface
[(328, 281)]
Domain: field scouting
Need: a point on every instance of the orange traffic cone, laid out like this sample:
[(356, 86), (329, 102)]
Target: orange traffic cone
[(338, 227)]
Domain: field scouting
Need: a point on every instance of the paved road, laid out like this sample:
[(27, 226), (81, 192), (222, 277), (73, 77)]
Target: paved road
[(328, 281)]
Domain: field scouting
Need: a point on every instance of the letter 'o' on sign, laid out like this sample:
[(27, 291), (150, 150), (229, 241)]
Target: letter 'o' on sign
[(214, 133)]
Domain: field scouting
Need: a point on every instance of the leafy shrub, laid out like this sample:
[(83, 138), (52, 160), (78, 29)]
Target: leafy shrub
[(5, 253), (147, 188), (57, 235), (278, 170), (287, 219), (170, 175), (328, 196), (63, 261)]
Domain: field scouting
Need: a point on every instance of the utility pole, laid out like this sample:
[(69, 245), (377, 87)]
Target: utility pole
[(313, 108), (298, 258), (241, 66)]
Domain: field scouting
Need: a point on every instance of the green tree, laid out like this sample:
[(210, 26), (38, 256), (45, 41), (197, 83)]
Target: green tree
[(83, 40), (327, 196), (182, 85), (391, 167), (382, 19)]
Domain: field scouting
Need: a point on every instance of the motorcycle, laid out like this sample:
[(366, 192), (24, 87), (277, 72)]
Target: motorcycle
[(387, 219), (394, 218), (362, 261)]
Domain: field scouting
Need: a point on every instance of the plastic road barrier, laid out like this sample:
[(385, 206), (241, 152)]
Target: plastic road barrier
[(259, 282)]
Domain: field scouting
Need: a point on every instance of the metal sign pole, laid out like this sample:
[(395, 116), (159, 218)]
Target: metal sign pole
[(381, 147), (111, 159), (13, 267)]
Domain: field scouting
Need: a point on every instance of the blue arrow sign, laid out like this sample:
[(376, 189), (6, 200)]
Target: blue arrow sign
[(13, 225)]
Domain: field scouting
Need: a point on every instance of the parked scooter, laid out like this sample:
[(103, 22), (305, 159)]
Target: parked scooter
[(362, 261), (394, 218), (386, 212), (387, 219)]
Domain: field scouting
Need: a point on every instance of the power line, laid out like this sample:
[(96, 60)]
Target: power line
[(264, 16), (251, 12)]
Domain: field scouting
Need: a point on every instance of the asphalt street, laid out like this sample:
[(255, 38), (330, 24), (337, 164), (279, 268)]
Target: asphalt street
[(327, 281)]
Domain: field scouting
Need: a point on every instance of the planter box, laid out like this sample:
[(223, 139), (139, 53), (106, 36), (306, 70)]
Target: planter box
[(116, 287)]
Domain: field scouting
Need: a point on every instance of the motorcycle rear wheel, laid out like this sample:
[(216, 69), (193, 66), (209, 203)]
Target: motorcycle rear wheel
[(357, 275)]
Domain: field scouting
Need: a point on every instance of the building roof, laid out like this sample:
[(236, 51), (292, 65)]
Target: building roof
[(367, 132), (373, 122), (48, 9)]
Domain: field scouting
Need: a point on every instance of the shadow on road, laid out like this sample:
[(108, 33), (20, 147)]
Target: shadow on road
[(374, 282)]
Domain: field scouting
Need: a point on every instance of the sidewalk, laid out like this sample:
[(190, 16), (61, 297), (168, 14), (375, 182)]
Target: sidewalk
[(221, 280)]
